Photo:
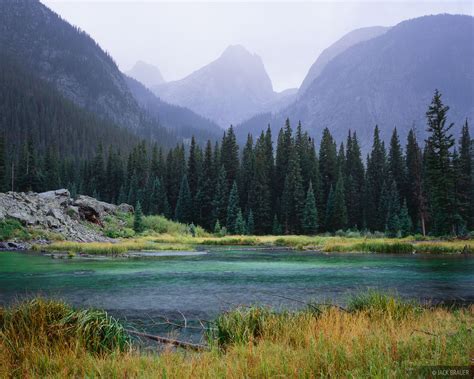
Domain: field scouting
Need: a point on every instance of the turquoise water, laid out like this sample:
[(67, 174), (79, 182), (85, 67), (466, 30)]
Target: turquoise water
[(200, 286)]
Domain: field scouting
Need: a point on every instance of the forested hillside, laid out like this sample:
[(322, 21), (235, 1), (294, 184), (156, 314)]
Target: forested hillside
[(293, 189)]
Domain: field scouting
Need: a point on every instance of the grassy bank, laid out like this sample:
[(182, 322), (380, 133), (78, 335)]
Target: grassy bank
[(376, 336), (153, 241)]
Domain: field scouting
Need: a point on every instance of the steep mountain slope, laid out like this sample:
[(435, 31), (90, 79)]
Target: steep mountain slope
[(228, 90), (389, 80), (182, 121), (348, 40), (51, 49), (32, 109), (146, 74)]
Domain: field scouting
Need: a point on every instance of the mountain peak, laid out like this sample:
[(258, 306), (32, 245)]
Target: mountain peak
[(146, 73)]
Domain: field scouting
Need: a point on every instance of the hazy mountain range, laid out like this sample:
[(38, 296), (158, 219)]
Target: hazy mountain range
[(375, 75), (228, 90), (146, 73), (387, 80)]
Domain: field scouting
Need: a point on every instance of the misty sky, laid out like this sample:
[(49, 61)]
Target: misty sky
[(181, 37)]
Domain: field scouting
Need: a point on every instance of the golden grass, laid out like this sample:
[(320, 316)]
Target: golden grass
[(167, 241), (332, 343)]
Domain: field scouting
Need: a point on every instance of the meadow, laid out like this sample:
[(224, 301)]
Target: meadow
[(375, 335)]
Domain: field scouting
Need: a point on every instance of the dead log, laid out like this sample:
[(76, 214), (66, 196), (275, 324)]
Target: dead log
[(169, 341)]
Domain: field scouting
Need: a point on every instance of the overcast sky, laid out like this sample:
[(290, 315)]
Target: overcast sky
[(180, 37)]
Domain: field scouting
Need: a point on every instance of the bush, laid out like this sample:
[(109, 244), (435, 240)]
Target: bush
[(10, 228)]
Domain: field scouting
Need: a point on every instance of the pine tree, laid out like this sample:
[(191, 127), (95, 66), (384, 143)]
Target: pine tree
[(240, 227), (293, 198), (183, 210), (98, 172), (203, 203), (376, 172), (193, 168), (327, 169), (250, 223), (415, 194), (138, 225), (396, 164), (339, 215), (283, 150), (3, 168), (232, 209), (405, 222), (464, 178), (355, 183), (392, 224), (276, 226), (247, 175), (219, 203), (263, 181), (230, 156), (310, 214), (439, 168)]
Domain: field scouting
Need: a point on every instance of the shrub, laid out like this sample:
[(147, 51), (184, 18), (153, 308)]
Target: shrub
[(10, 228)]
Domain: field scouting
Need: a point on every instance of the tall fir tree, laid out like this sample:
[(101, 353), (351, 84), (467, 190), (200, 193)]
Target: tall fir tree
[(310, 213), (336, 216), (138, 225), (327, 168), (439, 168), (219, 203), (464, 178), (376, 171), (355, 183), (230, 156), (3, 165), (183, 211), (396, 164), (232, 209)]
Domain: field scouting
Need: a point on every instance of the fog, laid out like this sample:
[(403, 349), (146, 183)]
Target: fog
[(181, 37)]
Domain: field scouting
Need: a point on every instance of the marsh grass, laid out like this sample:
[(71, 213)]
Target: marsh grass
[(380, 336)]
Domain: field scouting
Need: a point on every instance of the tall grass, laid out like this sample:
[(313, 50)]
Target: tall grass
[(251, 343)]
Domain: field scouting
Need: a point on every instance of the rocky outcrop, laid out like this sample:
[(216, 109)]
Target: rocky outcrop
[(58, 212)]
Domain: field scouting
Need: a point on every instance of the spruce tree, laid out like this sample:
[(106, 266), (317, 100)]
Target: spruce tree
[(183, 210), (250, 223), (263, 181), (376, 172), (247, 175), (276, 226), (405, 222), (219, 203), (415, 194), (396, 164), (310, 214), (232, 209), (339, 215), (138, 225), (327, 168), (203, 203), (439, 168), (3, 165), (230, 156), (355, 183), (464, 178), (392, 224), (240, 227)]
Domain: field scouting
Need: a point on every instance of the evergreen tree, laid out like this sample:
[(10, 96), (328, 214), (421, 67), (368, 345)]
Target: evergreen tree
[(28, 179), (263, 180), (98, 172), (138, 225), (230, 156), (183, 210), (392, 224), (310, 214), (51, 178), (3, 165), (327, 168), (240, 223), (232, 209), (250, 223), (464, 179), (415, 195), (219, 204), (193, 168), (293, 198), (203, 203), (396, 164), (276, 226), (376, 171), (283, 150), (405, 222), (355, 183), (337, 211), (439, 169), (247, 172)]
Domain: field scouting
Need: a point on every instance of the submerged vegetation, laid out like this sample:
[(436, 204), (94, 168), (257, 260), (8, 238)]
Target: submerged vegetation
[(376, 335)]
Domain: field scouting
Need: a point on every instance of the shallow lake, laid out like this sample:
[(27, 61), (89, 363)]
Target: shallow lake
[(199, 286)]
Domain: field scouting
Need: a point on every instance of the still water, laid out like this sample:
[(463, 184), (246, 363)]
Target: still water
[(199, 286)]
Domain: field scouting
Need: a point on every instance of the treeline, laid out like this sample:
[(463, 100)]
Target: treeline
[(291, 190)]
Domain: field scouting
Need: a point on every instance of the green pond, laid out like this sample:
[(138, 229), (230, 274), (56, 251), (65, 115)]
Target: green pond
[(144, 290)]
